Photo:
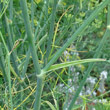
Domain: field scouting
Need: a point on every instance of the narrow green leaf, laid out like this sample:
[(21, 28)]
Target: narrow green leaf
[(71, 63), (50, 105)]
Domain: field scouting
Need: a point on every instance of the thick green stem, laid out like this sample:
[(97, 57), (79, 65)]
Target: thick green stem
[(38, 93), (10, 45), (42, 40), (30, 36), (34, 54)]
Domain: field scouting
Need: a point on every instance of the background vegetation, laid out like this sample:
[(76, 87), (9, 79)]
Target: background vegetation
[(37, 34)]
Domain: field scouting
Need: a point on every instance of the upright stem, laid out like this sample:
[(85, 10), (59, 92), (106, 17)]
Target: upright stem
[(30, 36), (67, 93), (2, 63), (9, 80), (11, 9), (34, 54), (38, 93), (8, 72), (32, 14)]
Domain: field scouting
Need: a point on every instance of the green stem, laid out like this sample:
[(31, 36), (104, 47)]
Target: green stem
[(2, 63), (38, 93), (42, 40), (51, 31), (8, 71), (38, 25), (67, 92), (10, 45), (34, 54), (30, 36), (43, 28), (11, 9), (32, 14), (9, 79)]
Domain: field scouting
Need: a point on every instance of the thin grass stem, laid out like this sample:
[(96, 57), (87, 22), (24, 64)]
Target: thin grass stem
[(32, 14), (2, 63), (34, 54), (8, 71), (30, 36), (10, 45), (51, 31)]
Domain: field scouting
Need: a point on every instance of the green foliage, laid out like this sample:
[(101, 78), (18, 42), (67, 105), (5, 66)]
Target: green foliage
[(48, 49)]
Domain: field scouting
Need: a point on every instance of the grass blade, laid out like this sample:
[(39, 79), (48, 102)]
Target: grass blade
[(51, 31), (71, 63)]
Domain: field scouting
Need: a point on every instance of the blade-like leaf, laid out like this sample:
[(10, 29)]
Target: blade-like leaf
[(50, 105), (71, 63)]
